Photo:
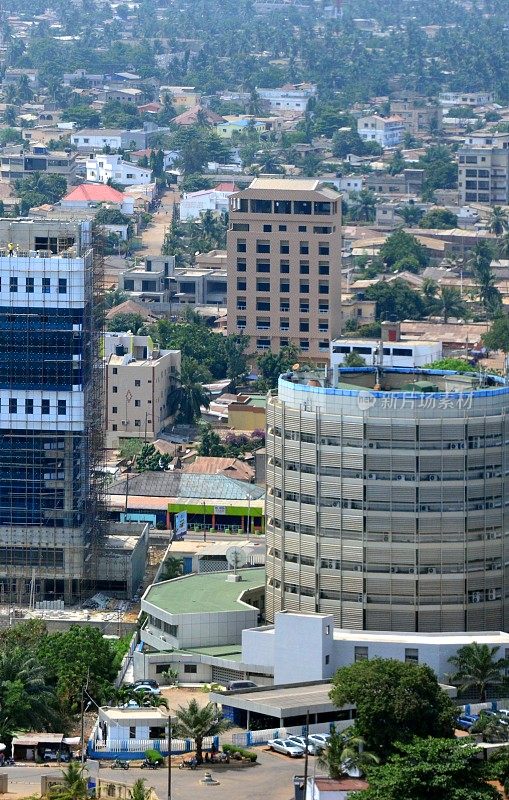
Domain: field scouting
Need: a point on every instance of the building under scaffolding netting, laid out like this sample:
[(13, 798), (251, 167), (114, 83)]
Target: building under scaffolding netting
[(50, 410)]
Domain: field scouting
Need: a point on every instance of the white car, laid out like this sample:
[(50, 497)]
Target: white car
[(287, 747), (300, 741), (145, 688), (320, 740)]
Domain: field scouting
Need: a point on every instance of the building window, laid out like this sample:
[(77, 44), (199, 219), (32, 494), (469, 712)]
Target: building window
[(304, 326), (13, 284), (284, 248), (46, 285), (114, 427), (261, 206), (62, 286), (267, 228), (263, 266), (262, 285), (241, 246), (282, 228), (304, 344), (327, 659), (304, 248), (322, 209), (241, 322), (191, 669), (304, 306), (13, 405), (284, 286), (304, 287), (323, 269), (114, 389), (137, 403), (323, 288), (137, 383), (262, 246), (411, 655), (263, 343), (323, 249), (62, 408), (284, 305), (360, 654), (44, 406), (303, 228), (304, 267), (241, 304), (327, 630), (114, 409), (115, 370), (241, 284), (241, 265), (282, 206), (132, 731), (29, 406), (284, 267), (302, 207), (29, 285), (137, 423), (263, 305)]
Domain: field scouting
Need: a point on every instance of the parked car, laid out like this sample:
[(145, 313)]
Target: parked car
[(287, 747), (233, 686), (145, 688), (319, 739), (466, 721), (503, 712), (312, 747), (146, 682)]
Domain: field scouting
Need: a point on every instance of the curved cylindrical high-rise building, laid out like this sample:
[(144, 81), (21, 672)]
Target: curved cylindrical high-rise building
[(387, 499)]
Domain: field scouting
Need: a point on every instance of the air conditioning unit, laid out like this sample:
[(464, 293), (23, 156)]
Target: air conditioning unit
[(453, 446), (489, 504), (336, 504), (358, 568), (431, 570), (386, 537), (492, 595), (412, 570), (371, 444), (372, 476), (461, 445), (394, 569), (360, 598), (476, 597), (400, 477)]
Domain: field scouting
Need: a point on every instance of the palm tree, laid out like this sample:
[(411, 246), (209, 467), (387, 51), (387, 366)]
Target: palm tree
[(364, 207), (187, 398), (138, 792), (503, 246), (478, 668), (149, 700), (429, 289), (26, 701), (480, 264), (410, 214), (450, 302), (73, 786), (196, 722), (344, 754), (498, 221)]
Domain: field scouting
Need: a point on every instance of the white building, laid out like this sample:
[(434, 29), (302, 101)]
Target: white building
[(448, 99), (288, 97), (97, 139), (104, 168), (195, 203), (394, 354), (329, 648), (386, 131)]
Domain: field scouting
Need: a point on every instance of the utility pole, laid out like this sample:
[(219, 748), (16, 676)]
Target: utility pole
[(82, 726), (169, 756), (306, 755)]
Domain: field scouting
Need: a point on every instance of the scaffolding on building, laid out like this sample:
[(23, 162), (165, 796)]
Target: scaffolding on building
[(52, 510)]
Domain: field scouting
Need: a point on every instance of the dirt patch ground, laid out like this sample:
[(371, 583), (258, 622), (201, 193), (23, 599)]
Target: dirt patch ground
[(181, 695)]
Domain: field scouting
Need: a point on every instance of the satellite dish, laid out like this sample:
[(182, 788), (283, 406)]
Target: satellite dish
[(236, 557)]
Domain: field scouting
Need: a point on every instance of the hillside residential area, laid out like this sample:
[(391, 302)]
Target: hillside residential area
[(254, 399)]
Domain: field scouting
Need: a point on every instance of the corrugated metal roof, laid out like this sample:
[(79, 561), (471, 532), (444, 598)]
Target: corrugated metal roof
[(167, 484)]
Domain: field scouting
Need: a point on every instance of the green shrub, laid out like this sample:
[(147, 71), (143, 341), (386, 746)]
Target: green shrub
[(153, 755), (232, 749)]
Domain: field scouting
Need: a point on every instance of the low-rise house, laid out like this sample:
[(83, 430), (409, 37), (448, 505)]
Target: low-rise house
[(290, 97), (127, 95), (448, 99), (195, 203), (386, 131), (196, 114), (89, 195), (201, 287), (148, 282), (237, 126), (16, 163), (111, 167)]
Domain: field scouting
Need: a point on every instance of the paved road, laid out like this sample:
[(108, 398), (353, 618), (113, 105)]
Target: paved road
[(270, 779), (153, 236)]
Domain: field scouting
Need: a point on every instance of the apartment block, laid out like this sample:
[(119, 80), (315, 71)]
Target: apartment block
[(418, 114), (50, 409), (16, 164), (284, 265), (139, 377), (483, 168), (386, 131)]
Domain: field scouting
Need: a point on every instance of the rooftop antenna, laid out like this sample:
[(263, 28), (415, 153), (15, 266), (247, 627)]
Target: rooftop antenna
[(236, 558)]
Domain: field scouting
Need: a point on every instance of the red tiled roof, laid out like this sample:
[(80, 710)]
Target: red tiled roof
[(95, 193), (190, 116), (340, 784), (226, 186)]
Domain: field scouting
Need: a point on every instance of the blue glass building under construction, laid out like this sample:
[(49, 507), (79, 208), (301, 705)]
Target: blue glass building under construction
[(50, 409)]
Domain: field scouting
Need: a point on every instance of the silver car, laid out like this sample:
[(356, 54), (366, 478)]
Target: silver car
[(312, 747), (287, 747)]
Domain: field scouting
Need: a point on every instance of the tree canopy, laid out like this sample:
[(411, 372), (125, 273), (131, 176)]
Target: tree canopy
[(395, 701)]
